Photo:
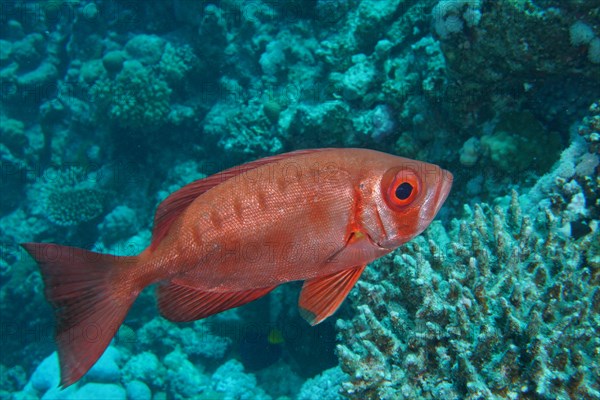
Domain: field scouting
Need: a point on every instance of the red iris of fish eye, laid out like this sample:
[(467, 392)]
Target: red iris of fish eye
[(404, 189)]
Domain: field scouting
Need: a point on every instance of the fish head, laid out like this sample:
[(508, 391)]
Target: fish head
[(404, 197)]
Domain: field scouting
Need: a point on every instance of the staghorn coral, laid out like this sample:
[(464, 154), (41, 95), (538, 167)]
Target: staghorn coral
[(511, 309)]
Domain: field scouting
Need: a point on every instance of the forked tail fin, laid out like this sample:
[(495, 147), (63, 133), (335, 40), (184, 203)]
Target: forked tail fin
[(91, 295)]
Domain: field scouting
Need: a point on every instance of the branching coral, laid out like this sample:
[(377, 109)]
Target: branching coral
[(68, 197), (176, 62), (510, 309), (136, 99)]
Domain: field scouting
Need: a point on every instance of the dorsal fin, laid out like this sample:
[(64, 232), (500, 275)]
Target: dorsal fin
[(178, 201)]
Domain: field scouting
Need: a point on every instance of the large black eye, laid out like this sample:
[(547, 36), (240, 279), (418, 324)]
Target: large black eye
[(404, 190)]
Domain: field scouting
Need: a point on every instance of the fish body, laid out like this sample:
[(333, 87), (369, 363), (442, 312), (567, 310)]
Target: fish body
[(314, 215), (292, 220)]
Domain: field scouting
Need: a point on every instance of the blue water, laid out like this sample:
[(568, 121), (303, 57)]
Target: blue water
[(107, 107)]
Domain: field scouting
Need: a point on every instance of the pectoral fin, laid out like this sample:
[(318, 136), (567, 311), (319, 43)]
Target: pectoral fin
[(321, 297)]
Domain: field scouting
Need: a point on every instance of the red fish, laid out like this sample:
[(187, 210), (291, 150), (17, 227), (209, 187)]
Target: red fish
[(314, 215)]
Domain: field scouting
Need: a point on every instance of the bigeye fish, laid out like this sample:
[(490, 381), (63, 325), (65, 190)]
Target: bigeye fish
[(318, 215)]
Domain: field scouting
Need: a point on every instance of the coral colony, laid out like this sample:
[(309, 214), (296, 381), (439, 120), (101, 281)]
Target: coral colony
[(108, 106)]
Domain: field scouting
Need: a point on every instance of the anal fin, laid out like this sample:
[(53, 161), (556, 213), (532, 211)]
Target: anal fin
[(321, 297), (181, 303)]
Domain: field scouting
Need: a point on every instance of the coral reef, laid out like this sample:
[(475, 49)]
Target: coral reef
[(590, 127), (519, 142), (231, 380), (242, 130), (106, 107), (197, 340), (136, 98), (503, 304), (68, 197), (119, 373), (325, 386)]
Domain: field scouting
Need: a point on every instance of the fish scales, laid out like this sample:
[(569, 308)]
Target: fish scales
[(318, 215)]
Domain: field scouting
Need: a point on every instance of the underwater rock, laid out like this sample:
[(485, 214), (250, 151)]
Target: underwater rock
[(273, 59), (594, 51), (99, 391), (91, 70), (106, 368), (5, 52), (137, 390), (32, 67), (56, 393), (147, 49), (377, 123), (176, 63), (47, 374), (517, 57), (470, 151), (357, 80), (383, 122), (280, 380), (28, 51), (13, 135)]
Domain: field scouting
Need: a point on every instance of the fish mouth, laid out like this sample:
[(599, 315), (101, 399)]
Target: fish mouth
[(376, 244), (443, 190), (435, 201)]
